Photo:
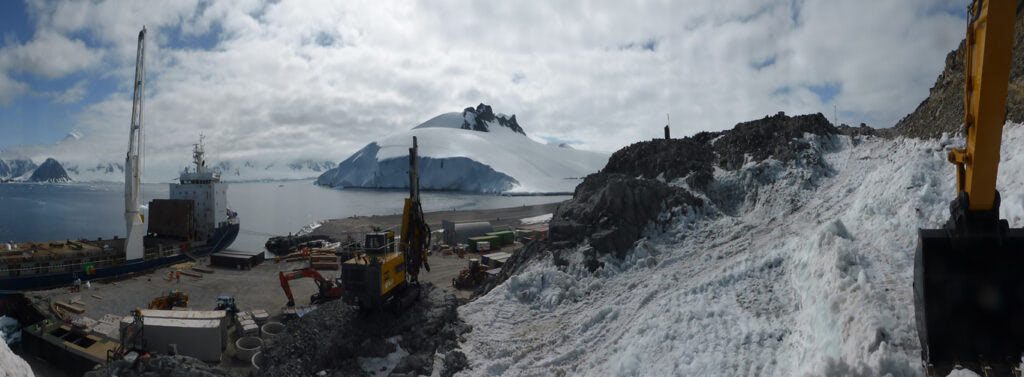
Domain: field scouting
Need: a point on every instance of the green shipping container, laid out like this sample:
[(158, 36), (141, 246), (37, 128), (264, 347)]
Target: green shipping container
[(506, 237), (494, 241)]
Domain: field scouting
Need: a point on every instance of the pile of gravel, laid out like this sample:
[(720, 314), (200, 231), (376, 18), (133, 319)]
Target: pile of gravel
[(159, 366), (329, 340)]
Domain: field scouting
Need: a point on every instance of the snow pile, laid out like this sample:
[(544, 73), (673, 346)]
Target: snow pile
[(10, 364), (809, 273), (493, 159), (536, 219), (382, 366)]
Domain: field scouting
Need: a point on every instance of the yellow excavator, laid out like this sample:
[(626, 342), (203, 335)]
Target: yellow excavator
[(969, 275), (381, 276)]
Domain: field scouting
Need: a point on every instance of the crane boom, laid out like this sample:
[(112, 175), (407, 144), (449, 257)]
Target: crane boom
[(132, 161), (987, 55)]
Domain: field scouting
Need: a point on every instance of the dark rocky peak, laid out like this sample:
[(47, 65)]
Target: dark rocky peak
[(476, 119), (50, 171), (109, 167), (771, 136), (778, 136), (943, 110), (612, 208)]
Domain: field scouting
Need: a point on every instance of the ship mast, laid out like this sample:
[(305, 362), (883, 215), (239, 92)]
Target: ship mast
[(132, 167)]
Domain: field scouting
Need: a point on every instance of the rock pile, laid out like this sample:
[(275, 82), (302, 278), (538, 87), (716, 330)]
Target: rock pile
[(330, 340), (159, 366)]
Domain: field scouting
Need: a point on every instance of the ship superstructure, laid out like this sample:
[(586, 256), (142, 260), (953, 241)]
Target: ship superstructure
[(209, 195)]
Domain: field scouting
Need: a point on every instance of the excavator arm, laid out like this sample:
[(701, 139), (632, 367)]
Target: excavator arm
[(968, 288), (326, 290), (989, 44)]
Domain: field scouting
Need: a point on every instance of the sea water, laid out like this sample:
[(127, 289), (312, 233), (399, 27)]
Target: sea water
[(46, 212)]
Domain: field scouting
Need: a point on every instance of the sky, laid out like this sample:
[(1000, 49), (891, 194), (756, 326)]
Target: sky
[(288, 80)]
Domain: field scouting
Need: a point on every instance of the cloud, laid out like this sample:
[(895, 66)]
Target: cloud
[(50, 55), (10, 89), (74, 94), (320, 79)]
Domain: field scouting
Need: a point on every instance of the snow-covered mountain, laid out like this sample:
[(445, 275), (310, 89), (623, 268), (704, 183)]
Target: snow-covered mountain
[(249, 170), (760, 258), (25, 170), (475, 151), (246, 170), (16, 169)]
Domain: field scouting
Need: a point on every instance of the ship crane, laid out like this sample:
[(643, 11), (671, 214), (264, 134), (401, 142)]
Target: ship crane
[(132, 162)]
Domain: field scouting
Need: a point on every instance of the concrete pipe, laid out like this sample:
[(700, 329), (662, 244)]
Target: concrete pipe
[(247, 346), (272, 330), (257, 360)]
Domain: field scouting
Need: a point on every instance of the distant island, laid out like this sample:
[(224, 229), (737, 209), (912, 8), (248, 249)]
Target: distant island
[(25, 170)]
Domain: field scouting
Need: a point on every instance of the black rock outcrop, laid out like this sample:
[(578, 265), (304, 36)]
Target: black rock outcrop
[(943, 109), (50, 171), (641, 183), (475, 119)]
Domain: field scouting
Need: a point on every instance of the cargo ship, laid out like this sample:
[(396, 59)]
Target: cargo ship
[(192, 223)]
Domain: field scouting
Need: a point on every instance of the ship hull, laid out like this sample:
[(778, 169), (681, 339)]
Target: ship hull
[(222, 238)]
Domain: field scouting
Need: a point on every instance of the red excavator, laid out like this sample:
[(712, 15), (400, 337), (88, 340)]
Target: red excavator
[(326, 289)]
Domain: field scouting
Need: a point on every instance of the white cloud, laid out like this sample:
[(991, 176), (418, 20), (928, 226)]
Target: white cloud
[(48, 54), (10, 88), (71, 95), (307, 79)]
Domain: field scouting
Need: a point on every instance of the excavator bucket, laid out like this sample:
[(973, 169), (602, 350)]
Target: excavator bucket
[(969, 299)]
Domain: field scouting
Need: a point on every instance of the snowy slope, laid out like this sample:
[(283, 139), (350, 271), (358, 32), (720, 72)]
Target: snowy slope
[(11, 365), (803, 279), (497, 160)]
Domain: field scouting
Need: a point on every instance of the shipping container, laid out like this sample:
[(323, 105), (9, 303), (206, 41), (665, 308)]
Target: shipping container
[(491, 240)]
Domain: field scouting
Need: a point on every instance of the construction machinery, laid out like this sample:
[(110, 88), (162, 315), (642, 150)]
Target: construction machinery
[(472, 276), (381, 276), (173, 299), (326, 290), (227, 303), (968, 288)]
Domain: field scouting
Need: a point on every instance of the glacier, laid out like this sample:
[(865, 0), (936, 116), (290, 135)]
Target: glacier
[(492, 156), (809, 273)]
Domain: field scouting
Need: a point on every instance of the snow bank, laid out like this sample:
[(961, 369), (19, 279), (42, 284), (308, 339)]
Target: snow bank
[(537, 219), (10, 364), (791, 279)]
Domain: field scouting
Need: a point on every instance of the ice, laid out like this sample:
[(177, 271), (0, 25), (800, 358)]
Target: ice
[(796, 271), (467, 160), (10, 364), (382, 366)]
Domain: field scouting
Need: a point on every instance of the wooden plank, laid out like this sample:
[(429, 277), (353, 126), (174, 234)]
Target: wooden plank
[(71, 307), (192, 274), (203, 269)]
